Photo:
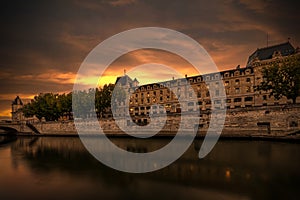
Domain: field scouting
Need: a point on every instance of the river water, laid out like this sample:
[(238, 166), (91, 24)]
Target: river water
[(61, 168)]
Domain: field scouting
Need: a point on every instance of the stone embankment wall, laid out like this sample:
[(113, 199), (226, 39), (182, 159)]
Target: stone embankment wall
[(64, 127), (265, 120), (273, 120)]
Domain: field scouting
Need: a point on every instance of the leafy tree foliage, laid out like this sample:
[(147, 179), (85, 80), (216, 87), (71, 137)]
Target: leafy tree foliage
[(103, 99), (282, 79), (49, 105), (53, 106), (82, 104)]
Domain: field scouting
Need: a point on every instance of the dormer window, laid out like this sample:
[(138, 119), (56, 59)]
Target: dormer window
[(276, 54)]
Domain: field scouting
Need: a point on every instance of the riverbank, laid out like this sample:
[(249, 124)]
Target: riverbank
[(266, 121), (258, 123), (246, 136)]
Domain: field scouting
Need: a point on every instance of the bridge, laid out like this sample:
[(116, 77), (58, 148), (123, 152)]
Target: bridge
[(17, 127)]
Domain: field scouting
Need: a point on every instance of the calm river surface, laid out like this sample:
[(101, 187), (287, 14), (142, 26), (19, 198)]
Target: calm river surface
[(61, 168)]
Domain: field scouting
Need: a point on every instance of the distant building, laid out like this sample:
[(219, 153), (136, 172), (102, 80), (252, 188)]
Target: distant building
[(239, 86), (16, 113)]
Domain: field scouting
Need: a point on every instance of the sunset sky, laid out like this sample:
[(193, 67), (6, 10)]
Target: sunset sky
[(43, 43)]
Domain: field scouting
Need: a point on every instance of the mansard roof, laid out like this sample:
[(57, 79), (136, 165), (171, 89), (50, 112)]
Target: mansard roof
[(265, 53), (17, 101)]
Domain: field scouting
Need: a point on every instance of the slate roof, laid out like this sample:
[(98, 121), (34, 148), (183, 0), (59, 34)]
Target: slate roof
[(124, 80), (266, 53)]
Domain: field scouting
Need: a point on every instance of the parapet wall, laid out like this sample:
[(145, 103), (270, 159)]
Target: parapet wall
[(267, 119), (274, 120)]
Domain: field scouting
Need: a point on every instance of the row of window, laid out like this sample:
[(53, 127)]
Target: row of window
[(216, 76), (199, 95), (228, 100), (239, 99), (194, 80), (235, 100), (160, 92), (217, 92), (237, 81), (237, 73)]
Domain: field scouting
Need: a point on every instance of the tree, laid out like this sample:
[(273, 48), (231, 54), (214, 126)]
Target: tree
[(64, 104), (83, 107), (53, 106), (49, 105), (282, 79), (103, 98)]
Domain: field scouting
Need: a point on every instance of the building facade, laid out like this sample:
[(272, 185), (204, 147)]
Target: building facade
[(238, 84)]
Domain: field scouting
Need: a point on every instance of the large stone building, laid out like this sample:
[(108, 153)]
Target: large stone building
[(239, 84)]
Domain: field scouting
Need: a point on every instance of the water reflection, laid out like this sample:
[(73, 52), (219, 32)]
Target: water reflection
[(57, 167), (5, 139)]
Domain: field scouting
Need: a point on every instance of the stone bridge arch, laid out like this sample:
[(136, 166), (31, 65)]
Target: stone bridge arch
[(8, 129)]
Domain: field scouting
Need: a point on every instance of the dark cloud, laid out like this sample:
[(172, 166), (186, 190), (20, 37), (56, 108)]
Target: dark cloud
[(40, 37), (32, 86)]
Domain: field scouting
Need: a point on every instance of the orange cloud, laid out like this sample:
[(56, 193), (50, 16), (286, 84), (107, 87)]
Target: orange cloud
[(5, 113), (133, 59), (13, 96), (50, 76), (145, 56)]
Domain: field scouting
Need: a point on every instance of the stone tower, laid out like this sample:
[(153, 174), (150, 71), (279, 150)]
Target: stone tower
[(16, 113)]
